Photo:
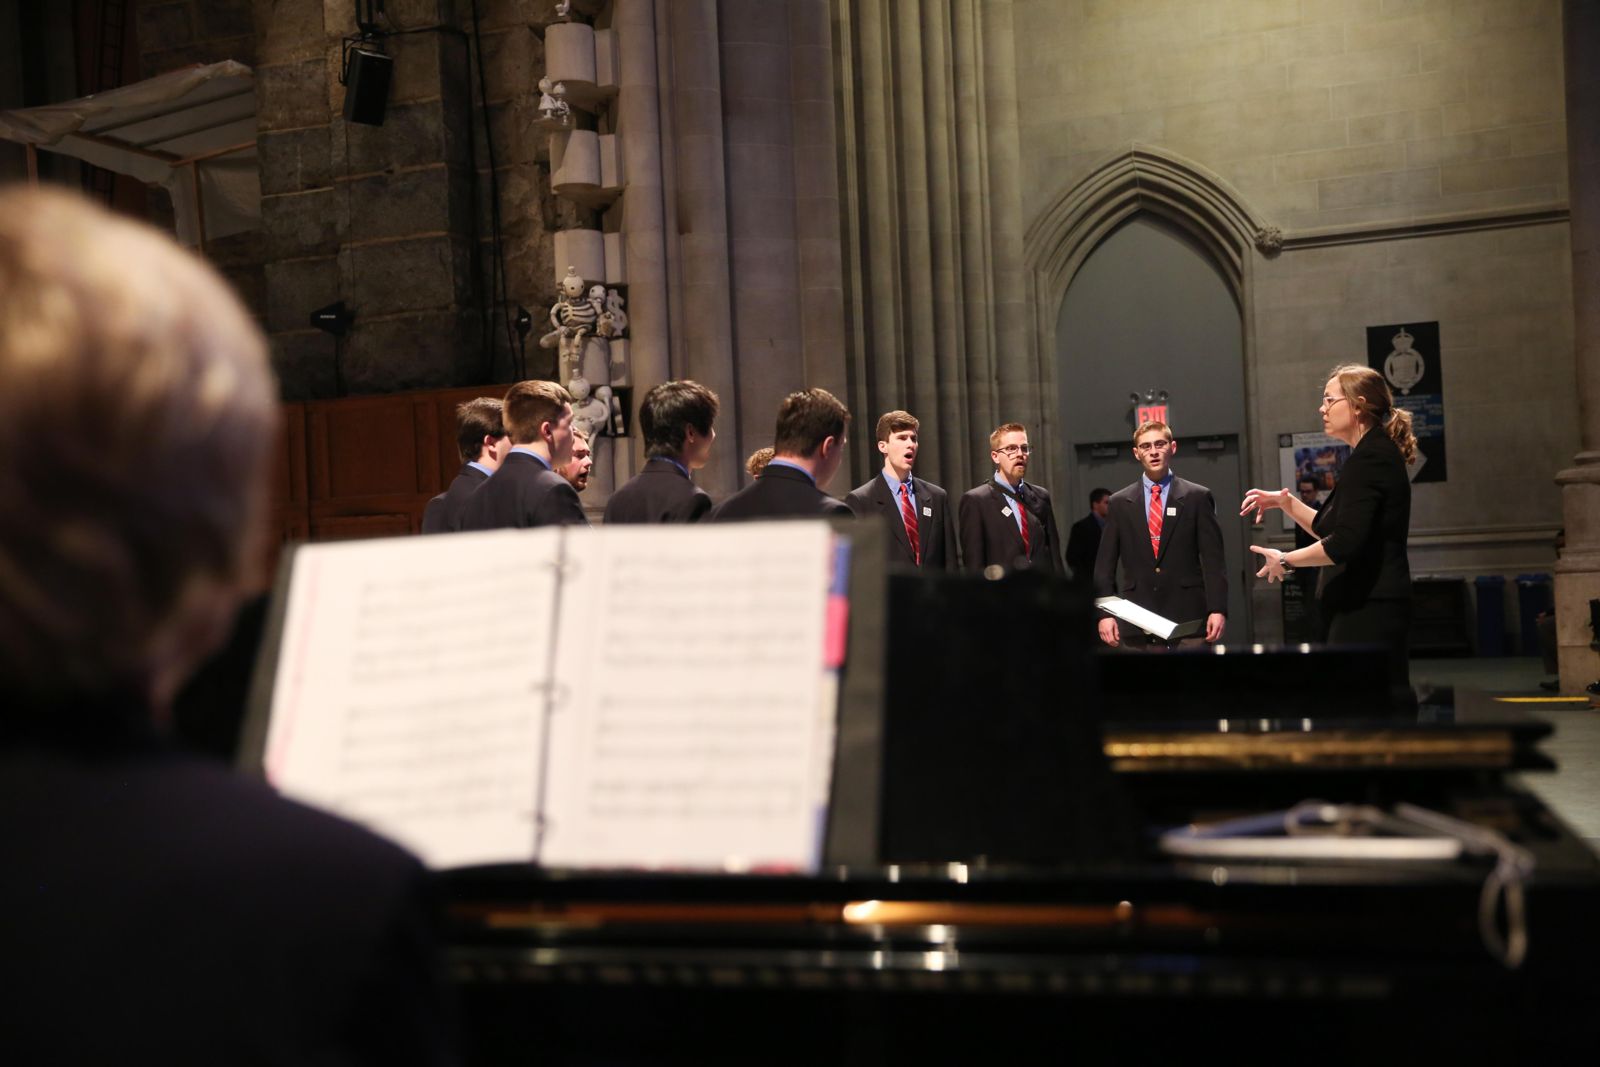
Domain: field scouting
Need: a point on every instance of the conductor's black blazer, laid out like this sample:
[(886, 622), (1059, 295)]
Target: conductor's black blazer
[(443, 513), (661, 492), (780, 493), (1189, 579), (936, 527), (989, 531), (1363, 525), (522, 493)]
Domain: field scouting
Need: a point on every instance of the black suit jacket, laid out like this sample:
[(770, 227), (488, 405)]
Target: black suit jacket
[(780, 493), (936, 529), (443, 513), (1189, 579), (661, 492), (1363, 525), (989, 531), (157, 908), (1083, 546), (523, 493)]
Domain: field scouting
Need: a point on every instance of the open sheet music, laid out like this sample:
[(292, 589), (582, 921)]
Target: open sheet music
[(1147, 620), (656, 697)]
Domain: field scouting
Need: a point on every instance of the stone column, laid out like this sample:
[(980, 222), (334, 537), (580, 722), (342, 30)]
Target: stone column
[(938, 318), (816, 190), (642, 213), (1578, 570), (701, 200), (762, 245)]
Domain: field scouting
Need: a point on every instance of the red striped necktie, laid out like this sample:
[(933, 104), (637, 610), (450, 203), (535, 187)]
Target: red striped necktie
[(1155, 520), (909, 514)]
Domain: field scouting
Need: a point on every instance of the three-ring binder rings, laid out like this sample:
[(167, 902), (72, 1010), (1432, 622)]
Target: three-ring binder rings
[(639, 697)]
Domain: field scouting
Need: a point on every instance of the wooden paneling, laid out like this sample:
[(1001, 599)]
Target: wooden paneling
[(365, 466)]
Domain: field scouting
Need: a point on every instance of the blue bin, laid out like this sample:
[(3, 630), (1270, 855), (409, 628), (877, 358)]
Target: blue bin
[(1533, 597), (1491, 589)]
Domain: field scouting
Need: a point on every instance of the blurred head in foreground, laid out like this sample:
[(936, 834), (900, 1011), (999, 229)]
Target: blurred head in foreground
[(137, 420)]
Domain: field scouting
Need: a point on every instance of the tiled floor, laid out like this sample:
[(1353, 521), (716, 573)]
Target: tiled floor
[(1573, 790)]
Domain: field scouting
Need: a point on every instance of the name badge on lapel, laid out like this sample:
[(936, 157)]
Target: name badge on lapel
[(1006, 512), (1172, 511), (927, 511)]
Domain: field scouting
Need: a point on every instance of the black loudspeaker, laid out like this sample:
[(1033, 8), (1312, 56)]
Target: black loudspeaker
[(366, 86)]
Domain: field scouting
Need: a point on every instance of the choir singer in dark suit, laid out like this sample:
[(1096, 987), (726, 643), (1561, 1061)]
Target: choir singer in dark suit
[(1083, 540), (921, 526), (1009, 522), (482, 440), (807, 450), (155, 907), (528, 489), (678, 419), (1364, 589), (1162, 531)]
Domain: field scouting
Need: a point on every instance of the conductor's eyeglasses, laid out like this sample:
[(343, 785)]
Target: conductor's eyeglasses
[(1152, 446), (1329, 401), (1013, 450)]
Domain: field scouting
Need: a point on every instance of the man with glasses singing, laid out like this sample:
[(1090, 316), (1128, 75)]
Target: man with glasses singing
[(1008, 522), (1163, 530)]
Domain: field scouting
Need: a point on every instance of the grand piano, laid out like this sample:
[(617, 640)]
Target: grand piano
[(1011, 875)]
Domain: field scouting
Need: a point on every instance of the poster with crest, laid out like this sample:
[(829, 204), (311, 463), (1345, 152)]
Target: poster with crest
[(1409, 358)]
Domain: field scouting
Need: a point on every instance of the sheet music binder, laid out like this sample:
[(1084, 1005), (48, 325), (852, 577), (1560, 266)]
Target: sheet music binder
[(1149, 621), (376, 730)]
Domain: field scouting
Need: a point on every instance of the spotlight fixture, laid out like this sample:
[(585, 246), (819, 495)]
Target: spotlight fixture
[(335, 318)]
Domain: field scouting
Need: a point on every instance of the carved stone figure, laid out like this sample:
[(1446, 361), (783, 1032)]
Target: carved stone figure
[(1403, 367), (553, 106), (613, 320), (591, 412), (1270, 239), (574, 318)]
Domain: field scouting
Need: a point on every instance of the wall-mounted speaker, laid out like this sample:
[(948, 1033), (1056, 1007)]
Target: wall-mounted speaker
[(366, 87)]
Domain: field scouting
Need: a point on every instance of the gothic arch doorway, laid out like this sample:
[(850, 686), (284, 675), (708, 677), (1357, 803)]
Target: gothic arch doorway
[(1140, 272)]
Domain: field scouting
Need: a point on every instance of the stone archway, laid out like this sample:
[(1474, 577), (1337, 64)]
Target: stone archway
[(1144, 178)]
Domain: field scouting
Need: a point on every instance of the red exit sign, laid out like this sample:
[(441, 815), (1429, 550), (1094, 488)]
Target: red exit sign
[(1151, 413)]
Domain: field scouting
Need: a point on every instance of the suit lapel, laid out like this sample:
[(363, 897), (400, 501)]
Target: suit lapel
[(927, 518), (1171, 512), (885, 499), (1006, 500)]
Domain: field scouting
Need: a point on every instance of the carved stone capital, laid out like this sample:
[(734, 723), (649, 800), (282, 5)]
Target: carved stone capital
[(1270, 239)]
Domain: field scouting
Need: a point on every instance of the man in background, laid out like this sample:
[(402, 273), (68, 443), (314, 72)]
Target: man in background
[(678, 419), (807, 451), (155, 907), (527, 490), (482, 441), (576, 470), (1008, 522), (922, 531), (1083, 540), (1162, 532)]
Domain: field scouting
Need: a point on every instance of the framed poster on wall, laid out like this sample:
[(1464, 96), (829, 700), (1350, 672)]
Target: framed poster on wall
[(1309, 464), (1409, 358)]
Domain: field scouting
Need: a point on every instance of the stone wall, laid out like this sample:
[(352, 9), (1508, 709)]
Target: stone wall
[(397, 219), (180, 33), (1413, 155)]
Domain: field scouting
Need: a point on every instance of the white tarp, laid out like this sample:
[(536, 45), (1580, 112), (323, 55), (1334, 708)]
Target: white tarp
[(153, 129)]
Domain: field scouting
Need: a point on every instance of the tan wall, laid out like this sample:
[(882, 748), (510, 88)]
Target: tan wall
[(1322, 114), (1338, 118)]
